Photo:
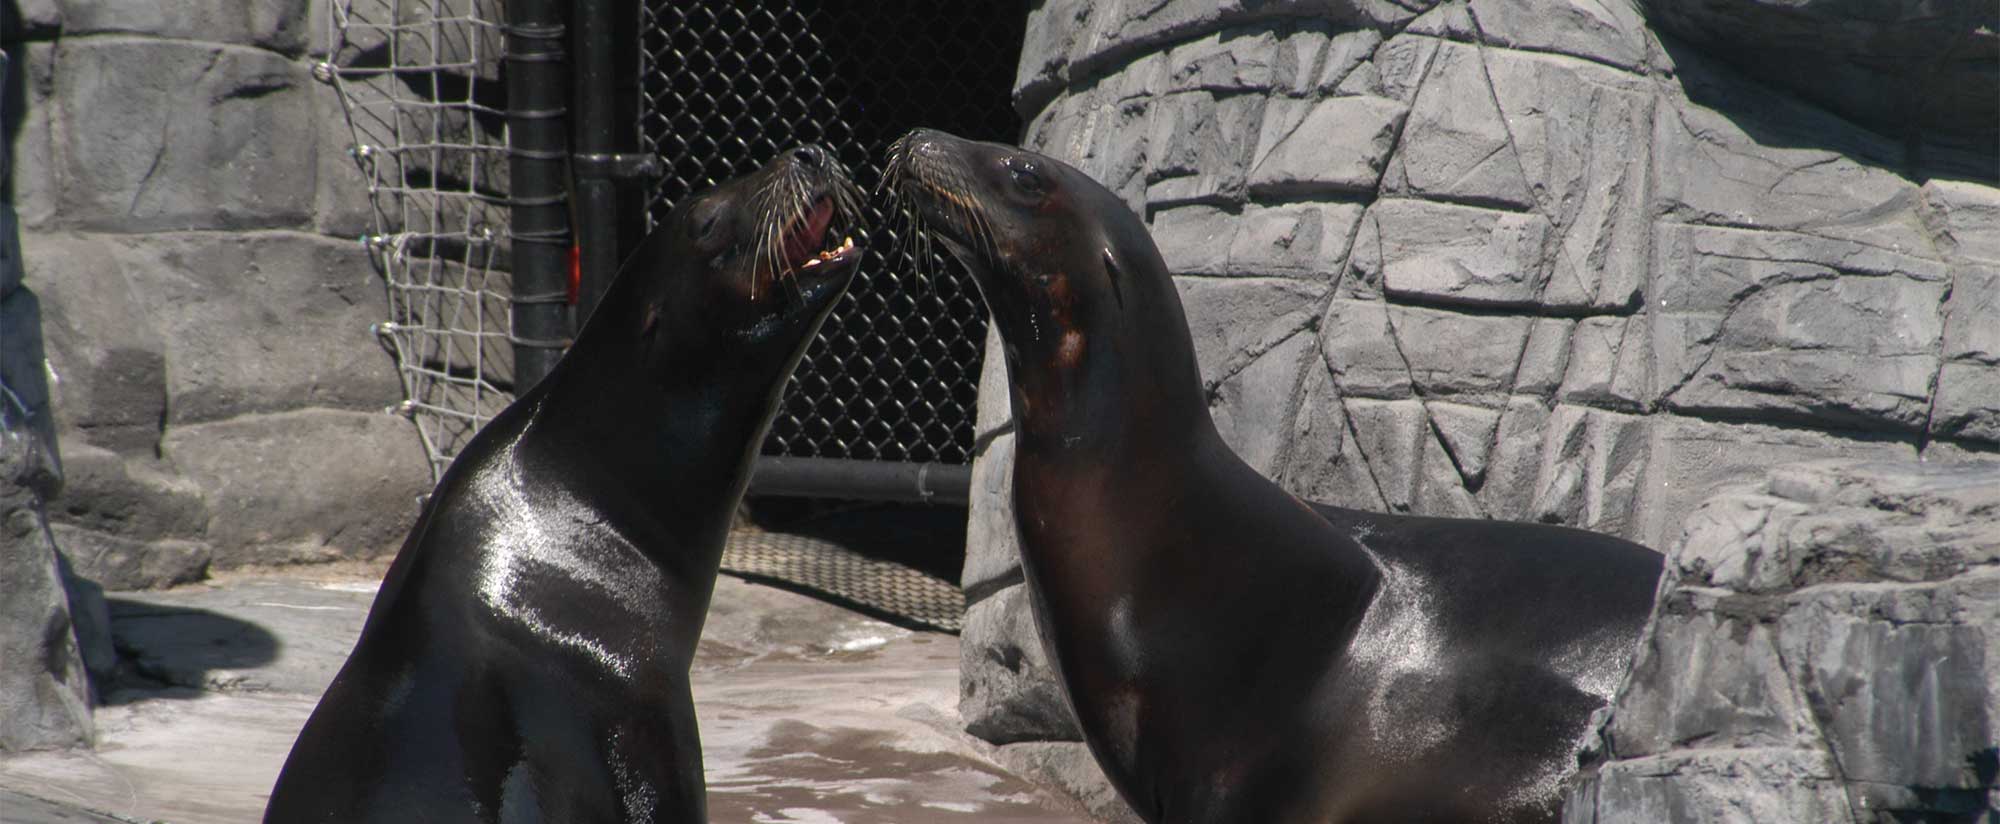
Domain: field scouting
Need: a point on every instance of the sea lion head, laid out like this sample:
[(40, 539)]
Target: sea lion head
[(741, 275), (1071, 275)]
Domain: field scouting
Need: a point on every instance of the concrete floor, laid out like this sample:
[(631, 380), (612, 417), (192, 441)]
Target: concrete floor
[(809, 713)]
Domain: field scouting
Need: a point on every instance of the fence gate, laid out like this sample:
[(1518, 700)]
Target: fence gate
[(882, 404)]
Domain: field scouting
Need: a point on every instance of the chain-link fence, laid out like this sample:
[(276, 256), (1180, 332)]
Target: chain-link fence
[(727, 84), (419, 82)]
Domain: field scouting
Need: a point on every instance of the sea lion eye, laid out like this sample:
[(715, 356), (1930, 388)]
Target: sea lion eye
[(704, 218), (1027, 175)]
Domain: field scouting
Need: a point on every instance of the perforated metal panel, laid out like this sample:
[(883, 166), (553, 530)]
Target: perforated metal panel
[(726, 85)]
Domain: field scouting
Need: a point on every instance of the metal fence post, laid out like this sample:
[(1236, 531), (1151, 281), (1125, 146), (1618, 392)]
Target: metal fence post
[(538, 159), (595, 165)]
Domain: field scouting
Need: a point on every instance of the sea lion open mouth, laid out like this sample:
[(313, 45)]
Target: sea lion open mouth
[(809, 208), (800, 239)]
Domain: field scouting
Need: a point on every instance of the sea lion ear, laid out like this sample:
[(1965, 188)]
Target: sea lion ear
[(1116, 274)]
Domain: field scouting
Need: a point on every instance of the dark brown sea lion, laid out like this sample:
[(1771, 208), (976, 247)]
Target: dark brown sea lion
[(1234, 653), (527, 657)]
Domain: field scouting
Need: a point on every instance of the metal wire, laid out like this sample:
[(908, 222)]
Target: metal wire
[(419, 83), (727, 84)]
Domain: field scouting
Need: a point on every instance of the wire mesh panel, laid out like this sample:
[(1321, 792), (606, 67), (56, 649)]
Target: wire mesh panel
[(727, 84), (419, 82)]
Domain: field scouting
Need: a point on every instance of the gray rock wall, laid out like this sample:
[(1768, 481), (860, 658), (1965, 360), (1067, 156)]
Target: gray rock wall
[(1826, 649), (190, 222), (44, 687), (45, 691), (1522, 259)]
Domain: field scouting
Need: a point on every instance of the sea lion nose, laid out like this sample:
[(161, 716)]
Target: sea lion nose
[(924, 142), (810, 157)]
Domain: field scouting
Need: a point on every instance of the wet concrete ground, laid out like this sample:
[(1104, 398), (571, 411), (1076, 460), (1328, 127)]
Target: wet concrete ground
[(809, 713)]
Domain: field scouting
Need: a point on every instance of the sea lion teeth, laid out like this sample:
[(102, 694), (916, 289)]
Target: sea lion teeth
[(845, 245)]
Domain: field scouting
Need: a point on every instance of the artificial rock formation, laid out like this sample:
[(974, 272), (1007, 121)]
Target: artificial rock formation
[(44, 686), (1826, 649), (1528, 259), (190, 219)]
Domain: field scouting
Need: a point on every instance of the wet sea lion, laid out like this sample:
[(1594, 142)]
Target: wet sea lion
[(1234, 653), (527, 656)]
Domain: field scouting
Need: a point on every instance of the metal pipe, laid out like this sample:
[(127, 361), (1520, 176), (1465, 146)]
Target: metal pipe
[(932, 483), (538, 160), (593, 29)]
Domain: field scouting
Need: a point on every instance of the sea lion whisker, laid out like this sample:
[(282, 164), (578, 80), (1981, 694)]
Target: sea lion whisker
[(978, 224), (801, 203), (920, 237), (849, 205), (909, 180), (903, 228), (760, 255)]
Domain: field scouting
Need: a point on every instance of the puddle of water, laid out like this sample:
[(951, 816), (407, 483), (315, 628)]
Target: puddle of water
[(864, 644)]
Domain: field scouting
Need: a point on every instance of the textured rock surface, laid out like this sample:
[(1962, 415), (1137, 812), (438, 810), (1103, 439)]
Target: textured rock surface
[(1827, 648), (267, 477), (1858, 60), (277, 25), (1009, 693), (163, 338), (44, 689), (139, 158), (1541, 259)]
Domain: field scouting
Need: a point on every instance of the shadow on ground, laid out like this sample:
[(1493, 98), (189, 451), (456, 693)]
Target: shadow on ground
[(249, 635), (182, 646)]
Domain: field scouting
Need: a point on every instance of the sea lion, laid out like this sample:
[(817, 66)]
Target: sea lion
[(527, 656), (1232, 652)]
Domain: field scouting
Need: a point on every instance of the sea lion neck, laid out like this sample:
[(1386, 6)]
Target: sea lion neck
[(716, 429), (1103, 378), (1104, 412)]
